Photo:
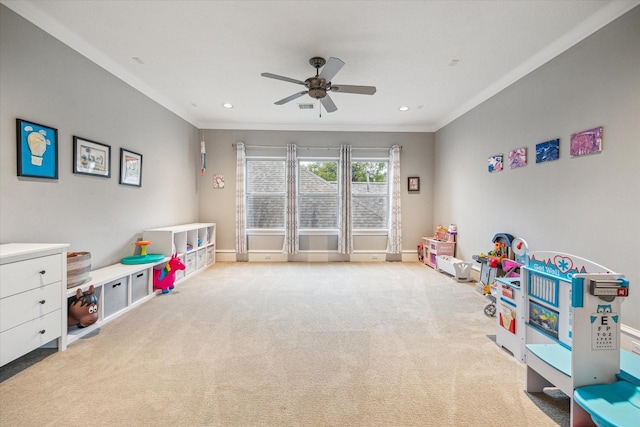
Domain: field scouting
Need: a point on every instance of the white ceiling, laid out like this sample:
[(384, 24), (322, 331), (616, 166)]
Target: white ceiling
[(198, 55)]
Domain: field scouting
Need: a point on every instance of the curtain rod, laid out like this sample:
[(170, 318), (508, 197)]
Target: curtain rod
[(284, 147)]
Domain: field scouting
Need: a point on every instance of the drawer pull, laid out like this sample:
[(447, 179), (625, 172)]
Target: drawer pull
[(140, 275), (42, 272), (116, 285), (42, 301), (43, 331)]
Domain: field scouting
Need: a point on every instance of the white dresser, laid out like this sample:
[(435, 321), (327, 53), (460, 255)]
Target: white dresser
[(33, 281)]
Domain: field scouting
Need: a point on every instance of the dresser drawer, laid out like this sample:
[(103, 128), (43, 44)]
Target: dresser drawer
[(21, 308), (22, 276), (27, 337)]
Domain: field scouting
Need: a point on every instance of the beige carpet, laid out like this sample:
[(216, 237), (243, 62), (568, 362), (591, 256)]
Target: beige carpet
[(287, 344)]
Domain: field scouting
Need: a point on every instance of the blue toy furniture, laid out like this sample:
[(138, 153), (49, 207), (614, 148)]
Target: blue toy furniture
[(573, 338)]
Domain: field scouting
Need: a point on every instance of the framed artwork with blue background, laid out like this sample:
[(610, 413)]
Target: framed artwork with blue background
[(37, 150), (548, 151)]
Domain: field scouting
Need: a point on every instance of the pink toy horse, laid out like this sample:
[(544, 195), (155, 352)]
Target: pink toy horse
[(164, 278)]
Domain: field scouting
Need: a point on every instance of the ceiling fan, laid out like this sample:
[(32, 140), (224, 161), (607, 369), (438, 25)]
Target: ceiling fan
[(319, 86)]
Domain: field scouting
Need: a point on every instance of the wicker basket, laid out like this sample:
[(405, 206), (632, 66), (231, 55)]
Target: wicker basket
[(78, 268)]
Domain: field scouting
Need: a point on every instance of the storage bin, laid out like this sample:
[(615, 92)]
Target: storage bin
[(201, 258), (139, 285), (115, 296), (211, 255), (190, 263), (459, 269)]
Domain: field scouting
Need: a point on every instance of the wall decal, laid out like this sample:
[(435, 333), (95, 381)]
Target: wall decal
[(218, 181)]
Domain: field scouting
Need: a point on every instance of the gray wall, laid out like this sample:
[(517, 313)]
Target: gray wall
[(416, 160), (586, 206), (44, 81)]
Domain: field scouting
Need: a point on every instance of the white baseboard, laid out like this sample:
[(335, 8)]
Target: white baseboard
[(267, 257), (368, 257), (226, 256)]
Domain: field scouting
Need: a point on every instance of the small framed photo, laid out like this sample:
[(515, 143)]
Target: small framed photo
[(91, 157), (37, 150), (413, 183), (130, 168)]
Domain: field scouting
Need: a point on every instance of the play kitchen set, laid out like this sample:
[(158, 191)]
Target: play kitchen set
[(438, 252)]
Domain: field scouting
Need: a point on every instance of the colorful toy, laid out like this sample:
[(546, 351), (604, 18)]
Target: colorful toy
[(165, 277), (143, 258), (82, 308), (491, 268)]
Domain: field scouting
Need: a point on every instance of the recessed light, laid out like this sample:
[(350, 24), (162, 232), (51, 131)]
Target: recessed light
[(138, 60), (404, 108), (227, 105), (454, 62)]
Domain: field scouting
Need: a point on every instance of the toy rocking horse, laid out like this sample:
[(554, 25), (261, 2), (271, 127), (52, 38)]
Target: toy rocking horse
[(165, 277), (82, 308)]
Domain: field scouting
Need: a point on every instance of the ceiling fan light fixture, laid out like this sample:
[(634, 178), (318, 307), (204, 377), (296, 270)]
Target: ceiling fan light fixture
[(317, 86)]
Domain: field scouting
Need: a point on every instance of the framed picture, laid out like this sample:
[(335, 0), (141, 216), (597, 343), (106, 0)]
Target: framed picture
[(586, 142), (414, 183), (91, 158), (130, 168), (518, 158), (37, 150), (495, 163), (548, 151)]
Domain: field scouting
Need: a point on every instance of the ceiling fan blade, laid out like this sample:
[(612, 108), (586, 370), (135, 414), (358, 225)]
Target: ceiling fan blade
[(328, 104), (285, 79), (331, 68), (291, 98), (361, 90)]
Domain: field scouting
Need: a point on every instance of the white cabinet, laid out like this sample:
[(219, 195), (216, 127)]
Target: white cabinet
[(32, 309), (194, 243)]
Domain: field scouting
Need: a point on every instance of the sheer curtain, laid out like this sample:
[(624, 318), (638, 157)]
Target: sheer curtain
[(241, 225), (345, 237), (394, 241), (291, 240)]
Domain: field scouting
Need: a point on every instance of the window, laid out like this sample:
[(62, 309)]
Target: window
[(318, 191), (370, 194), (318, 198), (266, 193)]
